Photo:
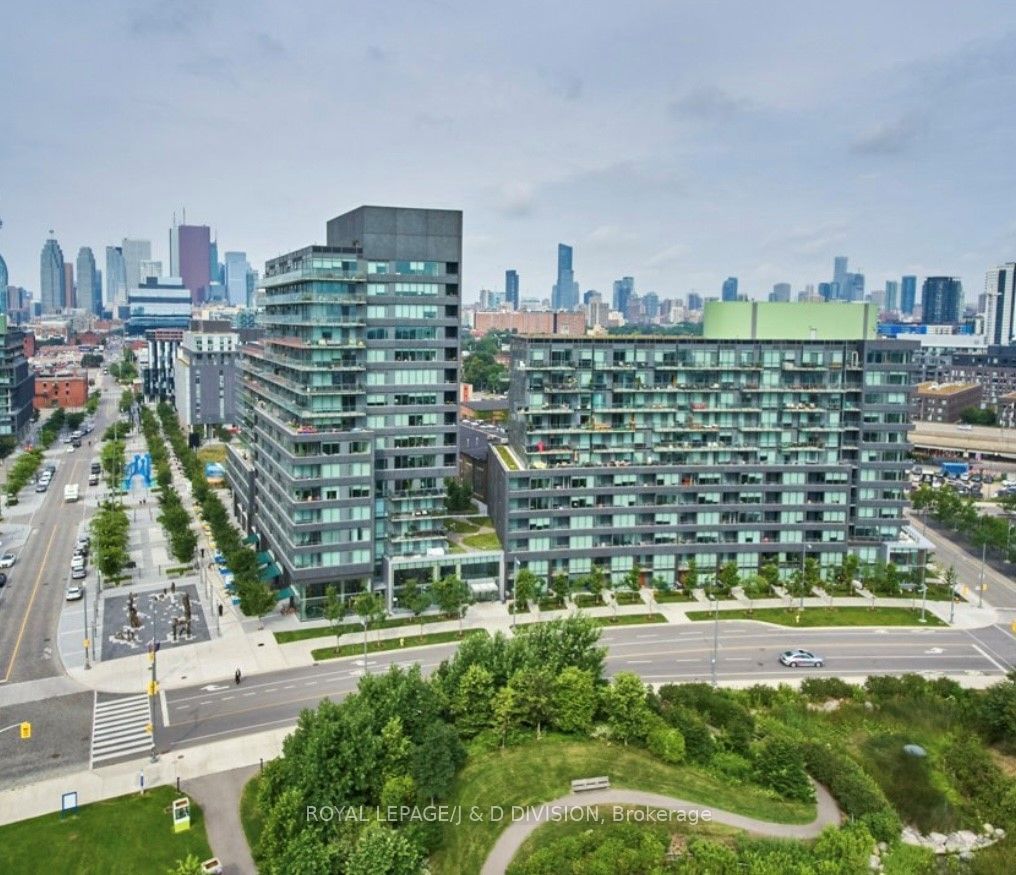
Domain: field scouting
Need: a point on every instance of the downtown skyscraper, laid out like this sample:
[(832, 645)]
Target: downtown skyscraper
[(729, 291), (941, 301), (908, 295), (511, 288), (52, 277), (116, 279), (565, 294), (89, 295)]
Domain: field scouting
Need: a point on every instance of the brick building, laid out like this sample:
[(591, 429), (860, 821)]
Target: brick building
[(531, 322), (944, 402), (62, 389)]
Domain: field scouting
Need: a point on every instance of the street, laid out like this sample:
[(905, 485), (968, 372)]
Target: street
[(747, 652)]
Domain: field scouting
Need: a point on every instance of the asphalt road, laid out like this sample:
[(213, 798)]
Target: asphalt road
[(34, 597), (1001, 590), (747, 652)]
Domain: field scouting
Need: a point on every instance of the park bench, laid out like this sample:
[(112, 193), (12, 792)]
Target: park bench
[(581, 784)]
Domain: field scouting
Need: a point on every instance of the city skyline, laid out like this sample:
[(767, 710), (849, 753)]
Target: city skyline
[(761, 175)]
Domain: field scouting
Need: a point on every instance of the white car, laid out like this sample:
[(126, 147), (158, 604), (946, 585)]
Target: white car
[(75, 592), (964, 428), (8, 560), (79, 572)]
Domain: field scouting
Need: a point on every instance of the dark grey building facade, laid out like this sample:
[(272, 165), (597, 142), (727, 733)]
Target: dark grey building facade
[(17, 383), (207, 378), (349, 409)]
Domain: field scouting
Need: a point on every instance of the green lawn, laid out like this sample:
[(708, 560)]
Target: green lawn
[(485, 541), (541, 771), (386, 644), (852, 615), (127, 834), (250, 814), (662, 596), (587, 600), (506, 457), (625, 597), (629, 619), (326, 631), (461, 527)]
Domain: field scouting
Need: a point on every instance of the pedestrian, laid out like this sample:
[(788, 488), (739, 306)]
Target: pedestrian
[(237, 676)]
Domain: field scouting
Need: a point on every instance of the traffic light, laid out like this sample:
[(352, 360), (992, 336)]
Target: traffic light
[(153, 688), (26, 730)]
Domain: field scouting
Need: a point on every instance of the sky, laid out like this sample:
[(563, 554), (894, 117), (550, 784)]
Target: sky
[(676, 142)]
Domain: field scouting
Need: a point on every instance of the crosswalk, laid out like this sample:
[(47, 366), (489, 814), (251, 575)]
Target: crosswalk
[(120, 728)]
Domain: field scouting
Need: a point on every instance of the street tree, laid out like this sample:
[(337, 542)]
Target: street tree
[(335, 611), (525, 588), (256, 600), (451, 594), (416, 599)]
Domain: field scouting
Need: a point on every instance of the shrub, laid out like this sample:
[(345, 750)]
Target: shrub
[(698, 740), (980, 781), (779, 765), (732, 766), (718, 707), (822, 689), (666, 742), (855, 790)]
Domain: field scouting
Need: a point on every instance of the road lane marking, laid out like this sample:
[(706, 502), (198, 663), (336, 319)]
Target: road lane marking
[(245, 695), (289, 686), (637, 661), (28, 608), (164, 707), (990, 659)]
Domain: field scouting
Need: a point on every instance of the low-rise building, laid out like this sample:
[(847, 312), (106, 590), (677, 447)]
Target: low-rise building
[(531, 322), (61, 389), (944, 402)]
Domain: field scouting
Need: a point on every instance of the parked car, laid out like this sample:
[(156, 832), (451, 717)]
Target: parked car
[(8, 560), (79, 573), (796, 658), (3, 580), (75, 592), (42, 486)]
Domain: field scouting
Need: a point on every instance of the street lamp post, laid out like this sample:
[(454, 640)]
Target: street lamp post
[(980, 583), (924, 587), (515, 595), (716, 633), (804, 550), (363, 620), (952, 604), (84, 604)]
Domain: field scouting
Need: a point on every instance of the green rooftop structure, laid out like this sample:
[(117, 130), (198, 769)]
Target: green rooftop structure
[(761, 320)]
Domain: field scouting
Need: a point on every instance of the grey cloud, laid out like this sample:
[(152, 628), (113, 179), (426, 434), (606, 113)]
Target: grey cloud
[(888, 138), (516, 199), (161, 18), (212, 67), (270, 45), (564, 85), (709, 103)]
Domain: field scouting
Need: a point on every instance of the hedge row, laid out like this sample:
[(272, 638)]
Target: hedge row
[(857, 793)]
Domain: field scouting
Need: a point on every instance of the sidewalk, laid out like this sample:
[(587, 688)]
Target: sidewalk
[(242, 646), (93, 785)]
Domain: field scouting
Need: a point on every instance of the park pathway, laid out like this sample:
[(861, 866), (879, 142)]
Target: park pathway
[(509, 842), (219, 798)]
